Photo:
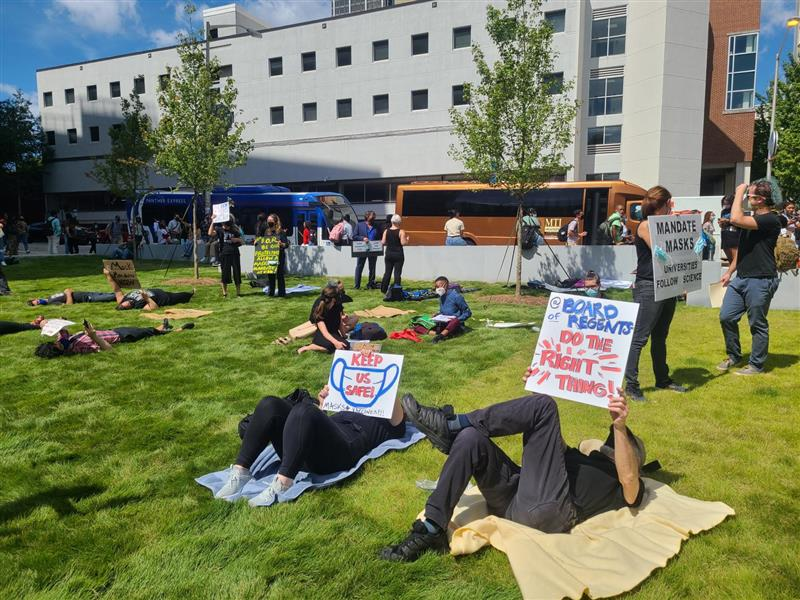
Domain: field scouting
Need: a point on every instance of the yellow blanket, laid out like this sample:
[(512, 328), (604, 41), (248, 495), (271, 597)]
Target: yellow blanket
[(177, 313), (382, 312), (607, 555)]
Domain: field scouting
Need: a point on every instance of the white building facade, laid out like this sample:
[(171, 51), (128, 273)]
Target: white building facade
[(359, 103)]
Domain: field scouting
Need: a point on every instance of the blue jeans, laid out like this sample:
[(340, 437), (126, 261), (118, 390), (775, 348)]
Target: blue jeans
[(455, 241), (753, 296)]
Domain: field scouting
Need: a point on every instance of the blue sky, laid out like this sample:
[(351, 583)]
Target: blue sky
[(43, 33)]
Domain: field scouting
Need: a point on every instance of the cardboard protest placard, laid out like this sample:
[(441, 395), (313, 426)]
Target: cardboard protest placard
[(221, 213), (123, 272), (267, 255), (364, 382), (682, 269), (53, 326), (716, 293), (366, 248), (582, 348)]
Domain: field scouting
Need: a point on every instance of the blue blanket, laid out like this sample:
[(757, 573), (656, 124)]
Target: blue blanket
[(266, 467)]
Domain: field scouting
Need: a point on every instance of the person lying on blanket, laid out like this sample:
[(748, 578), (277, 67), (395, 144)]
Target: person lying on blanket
[(556, 487), (307, 439), (70, 296), (451, 304), (150, 299), (327, 313), (98, 341)]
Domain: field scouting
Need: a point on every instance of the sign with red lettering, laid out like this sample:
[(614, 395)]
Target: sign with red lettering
[(582, 348), (364, 382)]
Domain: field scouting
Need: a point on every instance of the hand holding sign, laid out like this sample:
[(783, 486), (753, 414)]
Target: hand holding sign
[(364, 382)]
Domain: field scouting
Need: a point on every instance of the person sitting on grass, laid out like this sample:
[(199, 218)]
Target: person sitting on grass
[(307, 439), (556, 487), (328, 315), (99, 341), (451, 304), (150, 299), (7, 327), (70, 296)]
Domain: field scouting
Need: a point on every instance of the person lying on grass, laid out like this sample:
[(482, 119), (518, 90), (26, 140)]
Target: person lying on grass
[(70, 296), (332, 324), (7, 327), (306, 439), (99, 341), (150, 299), (556, 487), (451, 304)]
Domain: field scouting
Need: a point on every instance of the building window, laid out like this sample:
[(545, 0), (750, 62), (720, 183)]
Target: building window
[(742, 52), (344, 108), (94, 133), (556, 19), (91, 92), (50, 136), (608, 36), (419, 44), (602, 176), (554, 82), (605, 96), (275, 66), (380, 50), (344, 56), (138, 85), (114, 89), (462, 37), (309, 111), (611, 134), (225, 71), (213, 33), (72, 136), (48, 98), (380, 104), (419, 100), (116, 127), (69, 96), (309, 60), (276, 115), (459, 95)]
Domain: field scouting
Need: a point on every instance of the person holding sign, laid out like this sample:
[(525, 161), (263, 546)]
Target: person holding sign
[(366, 231), (150, 299), (274, 229), (756, 277), (230, 238), (327, 314), (654, 317), (307, 439), (554, 489)]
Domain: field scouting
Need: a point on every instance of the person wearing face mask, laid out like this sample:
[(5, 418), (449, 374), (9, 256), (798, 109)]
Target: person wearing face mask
[(654, 316), (273, 227), (229, 237), (591, 285), (453, 305), (366, 231)]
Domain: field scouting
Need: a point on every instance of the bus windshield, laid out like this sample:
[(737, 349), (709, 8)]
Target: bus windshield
[(335, 208)]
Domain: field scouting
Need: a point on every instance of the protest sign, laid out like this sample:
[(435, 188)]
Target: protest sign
[(582, 348), (53, 326), (366, 248), (364, 382), (267, 254), (123, 272), (681, 269), (221, 213)]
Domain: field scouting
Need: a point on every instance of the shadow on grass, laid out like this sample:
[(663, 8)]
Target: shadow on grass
[(664, 476), (83, 266), (693, 377), (781, 361), (62, 501)]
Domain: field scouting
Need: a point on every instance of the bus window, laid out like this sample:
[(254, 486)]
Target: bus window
[(493, 202)]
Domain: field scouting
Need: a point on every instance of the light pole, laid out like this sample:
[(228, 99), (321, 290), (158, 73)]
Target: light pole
[(772, 144)]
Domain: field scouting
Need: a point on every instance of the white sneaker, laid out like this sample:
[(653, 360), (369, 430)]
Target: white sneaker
[(236, 481), (203, 260), (269, 495)]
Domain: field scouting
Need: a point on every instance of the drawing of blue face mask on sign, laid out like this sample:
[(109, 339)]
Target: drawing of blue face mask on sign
[(362, 386)]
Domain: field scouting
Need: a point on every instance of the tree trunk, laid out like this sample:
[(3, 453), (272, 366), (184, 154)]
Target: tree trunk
[(518, 287), (194, 238)]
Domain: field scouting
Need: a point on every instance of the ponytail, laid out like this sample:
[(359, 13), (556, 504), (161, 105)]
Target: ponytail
[(655, 199)]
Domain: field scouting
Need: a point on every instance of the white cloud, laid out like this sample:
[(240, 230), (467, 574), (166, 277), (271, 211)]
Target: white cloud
[(161, 37), (285, 12), (109, 17), (774, 14), (9, 90)]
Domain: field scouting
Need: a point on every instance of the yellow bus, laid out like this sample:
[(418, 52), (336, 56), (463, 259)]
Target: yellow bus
[(489, 212)]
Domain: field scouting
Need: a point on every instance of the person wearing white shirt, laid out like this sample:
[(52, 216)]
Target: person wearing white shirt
[(454, 228)]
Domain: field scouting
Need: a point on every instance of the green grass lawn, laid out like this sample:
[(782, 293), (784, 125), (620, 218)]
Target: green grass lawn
[(98, 456)]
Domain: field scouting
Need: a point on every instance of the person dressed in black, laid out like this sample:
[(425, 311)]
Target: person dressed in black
[(272, 226), (328, 315), (654, 317), (306, 439), (145, 299), (555, 488), (8, 327), (229, 238), (393, 240)]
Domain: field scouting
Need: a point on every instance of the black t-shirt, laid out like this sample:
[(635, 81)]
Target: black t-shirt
[(137, 300), (644, 260), (756, 256), (332, 318), (594, 485), (226, 246), (366, 432)]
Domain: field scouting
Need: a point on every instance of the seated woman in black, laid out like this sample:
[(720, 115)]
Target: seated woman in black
[(328, 315), (307, 439)]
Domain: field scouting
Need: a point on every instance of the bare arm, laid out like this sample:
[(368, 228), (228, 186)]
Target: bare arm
[(69, 297), (101, 343), (118, 295), (211, 229), (327, 335), (398, 415), (403, 237), (738, 218), (151, 304), (383, 237), (624, 456)]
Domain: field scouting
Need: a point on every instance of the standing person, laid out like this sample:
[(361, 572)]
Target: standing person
[(367, 231), (756, 277), (729, 234), (616, 225), (156, 229), (306, 233), (114, 230), (531, 219), (347, 234), (454, 229), (72, 235), (3, 238), (393, 240), (22, 233), (327, 314), (229, 239), (791, 221), (574, 233), (174, 229), (54, 232), (708, 230), (274, 228), (654, 317), (162, 235), (138, 232), (12, 241), (209, 243)]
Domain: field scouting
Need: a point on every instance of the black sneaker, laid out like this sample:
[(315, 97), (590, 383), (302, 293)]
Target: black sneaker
[(417, 541), (674, 387), (635, 394), (431, 421), (437, 338), (166, 325)]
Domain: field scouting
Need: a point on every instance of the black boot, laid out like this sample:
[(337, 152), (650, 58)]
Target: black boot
[(418, 541), (431, 421)]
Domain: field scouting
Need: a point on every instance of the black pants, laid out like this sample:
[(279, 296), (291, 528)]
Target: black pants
[(652, 321), (303, 436), (177, 298), (321, 340), (128, 335), (360, 261), (392, 262), (7, 327), (536, 494), (231, 269), (280, 276)]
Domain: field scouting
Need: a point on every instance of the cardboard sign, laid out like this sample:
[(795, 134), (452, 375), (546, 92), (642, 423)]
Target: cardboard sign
[(123, 272), (364, 382), (582, 348), (221, 213), (366, 248), (267, 255), (682, 270), (716, 293), (53, 326)]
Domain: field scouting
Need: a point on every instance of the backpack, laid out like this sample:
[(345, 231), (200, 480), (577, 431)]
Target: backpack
[(603, 235), (368, 331), (337, 233), (528, 236), (48, 227), (786, 255), (395, 294), (562, 233)]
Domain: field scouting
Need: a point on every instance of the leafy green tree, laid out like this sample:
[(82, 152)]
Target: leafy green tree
[(519, 119), (197, 138)]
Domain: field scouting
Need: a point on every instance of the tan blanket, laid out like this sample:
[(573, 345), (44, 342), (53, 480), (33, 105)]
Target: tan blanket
[(177, 313), (303, 330), (382, 312), (607, 555)]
